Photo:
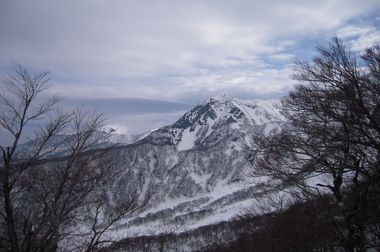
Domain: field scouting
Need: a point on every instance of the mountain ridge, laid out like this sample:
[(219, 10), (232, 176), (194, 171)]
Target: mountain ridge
[(195, 170)]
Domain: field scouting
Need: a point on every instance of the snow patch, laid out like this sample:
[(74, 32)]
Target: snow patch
[(187, 140)]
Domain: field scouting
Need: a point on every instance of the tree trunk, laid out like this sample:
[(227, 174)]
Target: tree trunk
[(12, 235), (356, 237)]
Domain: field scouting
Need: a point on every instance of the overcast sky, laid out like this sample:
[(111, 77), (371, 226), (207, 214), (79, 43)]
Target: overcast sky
[(143, 63)]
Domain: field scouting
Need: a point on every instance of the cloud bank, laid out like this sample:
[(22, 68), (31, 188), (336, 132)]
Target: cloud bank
[(176, 51)]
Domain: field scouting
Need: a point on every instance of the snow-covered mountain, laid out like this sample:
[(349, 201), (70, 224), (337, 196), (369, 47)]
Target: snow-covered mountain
[(59, 145), (195, 171)]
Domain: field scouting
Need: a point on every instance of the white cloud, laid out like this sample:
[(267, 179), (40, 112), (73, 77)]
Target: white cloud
[(353, 31), (360, 37), (288, 57), (170, 48), (173, 50), (366, 40), (254, 81)]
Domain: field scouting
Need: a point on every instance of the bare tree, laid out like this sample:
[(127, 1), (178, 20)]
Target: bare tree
[(333, 136), (50, 204)]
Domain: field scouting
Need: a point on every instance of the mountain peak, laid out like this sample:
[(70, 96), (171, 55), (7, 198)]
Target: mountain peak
[(228, 109), (221, 97), (206, 120)]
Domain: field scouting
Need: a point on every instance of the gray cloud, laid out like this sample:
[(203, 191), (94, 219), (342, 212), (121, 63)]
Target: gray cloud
[(128, 106), (173, 50), (132, 115), (122, 39)]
